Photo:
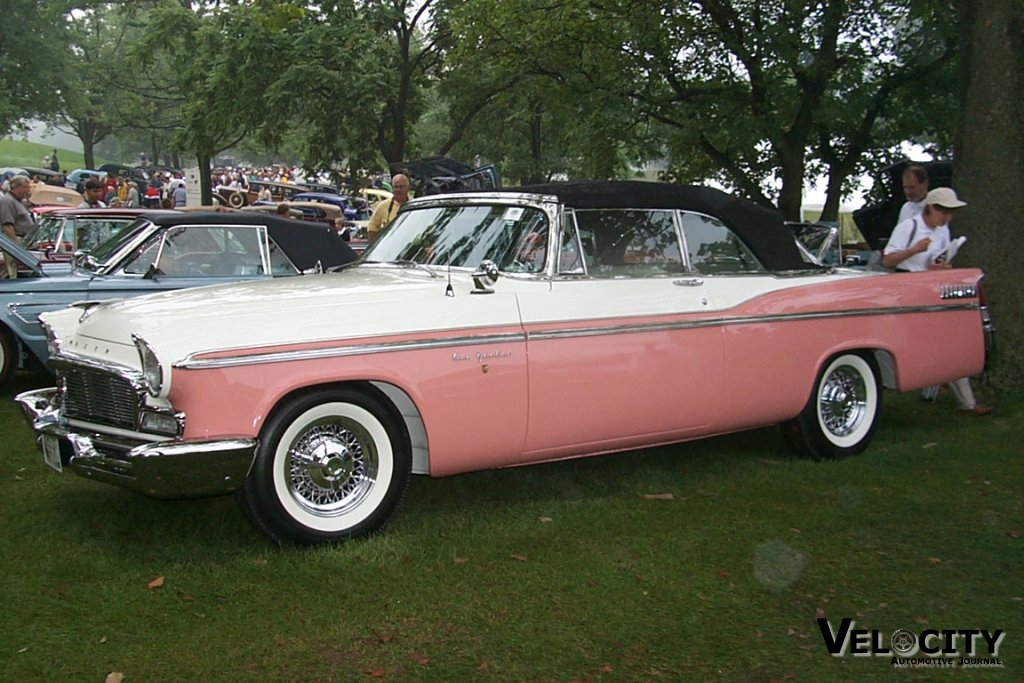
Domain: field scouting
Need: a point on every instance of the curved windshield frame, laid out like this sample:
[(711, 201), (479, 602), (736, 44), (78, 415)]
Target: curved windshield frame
[(49, 233), (514, 236)]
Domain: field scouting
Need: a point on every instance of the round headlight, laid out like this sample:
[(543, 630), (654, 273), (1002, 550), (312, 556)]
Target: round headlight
[(152, 373)]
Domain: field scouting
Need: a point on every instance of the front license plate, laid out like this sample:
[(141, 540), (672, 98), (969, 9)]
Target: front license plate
[(51, 452)]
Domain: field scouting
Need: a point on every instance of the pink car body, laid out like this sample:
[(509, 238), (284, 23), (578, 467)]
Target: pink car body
[(317, 398)]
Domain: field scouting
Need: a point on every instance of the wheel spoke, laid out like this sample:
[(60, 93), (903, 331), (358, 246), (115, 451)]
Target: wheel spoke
[(330, 467)]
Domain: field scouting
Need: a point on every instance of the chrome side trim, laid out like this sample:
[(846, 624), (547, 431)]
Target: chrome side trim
[(738, 320), (191, 363)]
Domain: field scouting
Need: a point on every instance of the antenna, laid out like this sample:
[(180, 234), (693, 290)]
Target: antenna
[(449, 290)]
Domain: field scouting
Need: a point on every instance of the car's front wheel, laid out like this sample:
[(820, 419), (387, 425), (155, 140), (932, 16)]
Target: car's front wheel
[(331, 465), (7, 358), (842, 411)]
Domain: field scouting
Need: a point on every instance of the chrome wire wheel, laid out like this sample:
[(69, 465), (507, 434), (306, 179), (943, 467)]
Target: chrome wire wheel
[(840, 415), (331, 466), (842, 402)]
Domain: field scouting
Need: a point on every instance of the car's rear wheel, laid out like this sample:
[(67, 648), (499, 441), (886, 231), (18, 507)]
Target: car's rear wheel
[(841, 414), (236, 200), (332, 465)]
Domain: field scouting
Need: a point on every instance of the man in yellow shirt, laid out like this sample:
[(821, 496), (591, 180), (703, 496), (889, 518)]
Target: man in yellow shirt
[(387, 209)]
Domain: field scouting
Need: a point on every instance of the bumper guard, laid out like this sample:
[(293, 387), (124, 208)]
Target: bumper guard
[(159, 469)]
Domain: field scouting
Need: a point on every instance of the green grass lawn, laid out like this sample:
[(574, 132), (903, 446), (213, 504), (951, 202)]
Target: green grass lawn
[(17, 153), (708, 560)]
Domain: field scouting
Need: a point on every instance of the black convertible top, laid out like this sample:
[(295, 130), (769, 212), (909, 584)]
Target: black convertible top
[(760, 228), (306, 243)]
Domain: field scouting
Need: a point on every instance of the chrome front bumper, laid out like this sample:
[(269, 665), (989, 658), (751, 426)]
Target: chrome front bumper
[(160, 469)]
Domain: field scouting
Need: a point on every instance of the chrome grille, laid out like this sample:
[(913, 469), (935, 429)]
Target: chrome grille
[(98, 396)]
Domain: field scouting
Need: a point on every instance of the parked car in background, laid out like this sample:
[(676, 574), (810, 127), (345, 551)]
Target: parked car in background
[(76, 179), (322, 188), (45, 176), (52, 196), (374, 195), (237, 197), (350, 206), (7, 172), (493, 329), (433, 175), (158, 252), (877, 220), (139, 175)]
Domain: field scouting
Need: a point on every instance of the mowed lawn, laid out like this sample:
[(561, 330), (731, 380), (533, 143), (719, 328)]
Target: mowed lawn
[(711, 560)]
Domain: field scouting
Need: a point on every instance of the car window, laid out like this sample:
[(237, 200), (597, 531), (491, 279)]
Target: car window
[(626, 242), (92, 232), (201, 251), (514, 237), (280, 264), (714, 248), (49, 233)]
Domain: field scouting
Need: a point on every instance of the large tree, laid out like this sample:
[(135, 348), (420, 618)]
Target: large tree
[(744, 91), (97, 61), (222, 59), (989, 168), (32, 53)]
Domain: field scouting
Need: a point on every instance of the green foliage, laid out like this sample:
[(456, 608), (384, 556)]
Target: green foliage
[(32, 53), (701, 561)]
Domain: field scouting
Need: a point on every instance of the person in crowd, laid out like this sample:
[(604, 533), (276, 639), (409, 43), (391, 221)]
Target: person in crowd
[(179, 197), (915, 187), (54, 164), (131, 199), (387, 209), (109, 186), (166, 203), (93, 195), (15, 218), (283, 210), (920, 243)]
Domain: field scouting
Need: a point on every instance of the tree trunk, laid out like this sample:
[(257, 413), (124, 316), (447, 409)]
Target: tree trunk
[(792, 192), (989, 168), (87, 152), (205, 184)]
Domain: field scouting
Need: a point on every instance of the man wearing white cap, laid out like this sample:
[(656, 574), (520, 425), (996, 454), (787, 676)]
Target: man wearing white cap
[(920, 243)]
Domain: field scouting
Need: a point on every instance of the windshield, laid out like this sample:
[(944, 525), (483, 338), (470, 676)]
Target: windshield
[(106, 250), (47, 235), (514, 237)]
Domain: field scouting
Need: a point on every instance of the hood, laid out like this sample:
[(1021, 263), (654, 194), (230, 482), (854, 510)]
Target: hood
[(368, 301), (21, 255)]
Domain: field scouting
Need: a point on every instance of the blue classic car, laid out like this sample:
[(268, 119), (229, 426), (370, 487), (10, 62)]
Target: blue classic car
[(158, 252)]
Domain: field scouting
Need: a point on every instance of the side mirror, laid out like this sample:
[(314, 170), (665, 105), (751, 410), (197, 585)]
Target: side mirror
[(485, 276)]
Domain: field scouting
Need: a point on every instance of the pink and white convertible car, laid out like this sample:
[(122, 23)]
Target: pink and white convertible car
[(493, 329)]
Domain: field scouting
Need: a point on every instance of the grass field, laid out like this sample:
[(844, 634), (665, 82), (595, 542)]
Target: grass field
[(708, 560), (18, 153)]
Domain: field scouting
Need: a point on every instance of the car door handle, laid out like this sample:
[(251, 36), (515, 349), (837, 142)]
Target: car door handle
[(689, 282)]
